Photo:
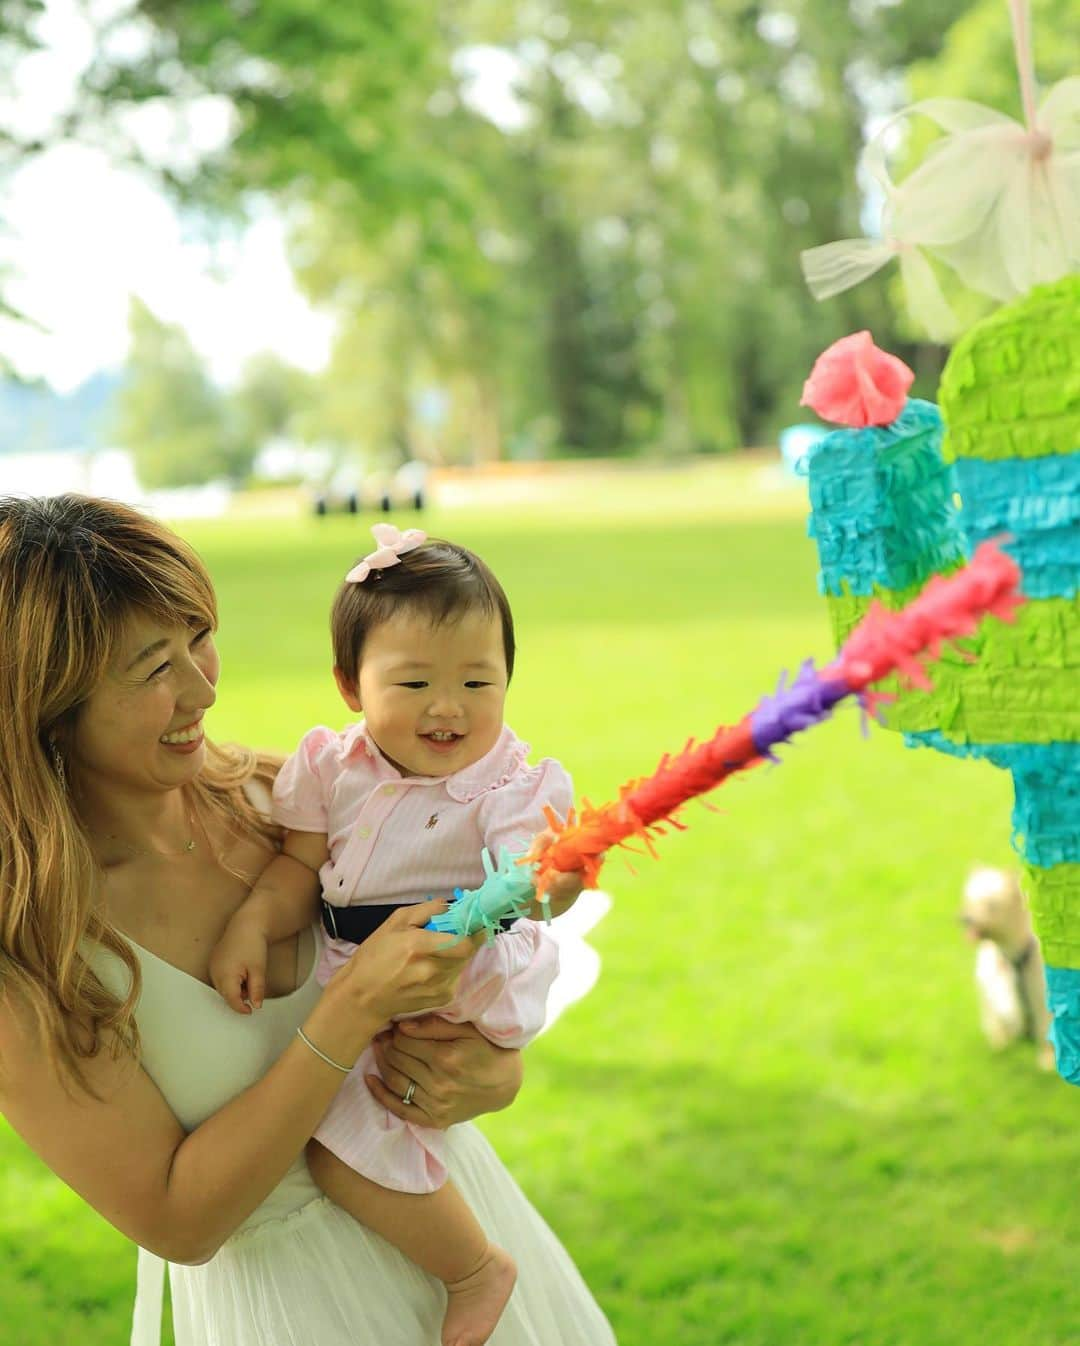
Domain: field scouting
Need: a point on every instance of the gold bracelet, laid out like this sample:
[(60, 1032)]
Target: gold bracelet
[(345, 1070)]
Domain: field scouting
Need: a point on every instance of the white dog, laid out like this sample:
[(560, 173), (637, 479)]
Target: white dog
[(1008, 963)]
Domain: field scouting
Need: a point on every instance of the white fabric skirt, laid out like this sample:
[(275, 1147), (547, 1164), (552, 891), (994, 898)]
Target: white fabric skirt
[(318, 1278)]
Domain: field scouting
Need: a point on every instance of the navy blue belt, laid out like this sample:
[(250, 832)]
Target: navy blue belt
[(356, 923)]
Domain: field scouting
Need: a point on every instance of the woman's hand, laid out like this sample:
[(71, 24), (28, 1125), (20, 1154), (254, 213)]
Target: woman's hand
[(403, 968), (457, 1072)]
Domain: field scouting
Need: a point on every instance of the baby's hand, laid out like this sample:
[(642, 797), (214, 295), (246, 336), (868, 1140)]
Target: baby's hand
[(238, 965), (565, 886)]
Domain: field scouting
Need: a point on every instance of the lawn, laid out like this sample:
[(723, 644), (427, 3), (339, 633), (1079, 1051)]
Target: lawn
[(774, 1120)]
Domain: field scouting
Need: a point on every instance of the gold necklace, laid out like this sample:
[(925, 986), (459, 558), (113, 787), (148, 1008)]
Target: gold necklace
[(160, 855)]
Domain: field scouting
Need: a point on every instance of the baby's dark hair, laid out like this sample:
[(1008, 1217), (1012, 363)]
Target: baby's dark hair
[(438, 580)]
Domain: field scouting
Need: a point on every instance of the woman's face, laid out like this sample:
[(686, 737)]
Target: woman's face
[(142, 726)]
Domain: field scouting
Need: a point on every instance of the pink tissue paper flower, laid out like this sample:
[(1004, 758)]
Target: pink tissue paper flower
[(854, 383)]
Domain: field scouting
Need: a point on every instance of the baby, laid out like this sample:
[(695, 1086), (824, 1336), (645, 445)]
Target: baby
[(393, 810)]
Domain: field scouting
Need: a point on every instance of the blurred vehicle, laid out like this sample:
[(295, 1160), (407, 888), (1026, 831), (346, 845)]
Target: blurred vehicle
[(339, 493), (409, 486), (348, 491)]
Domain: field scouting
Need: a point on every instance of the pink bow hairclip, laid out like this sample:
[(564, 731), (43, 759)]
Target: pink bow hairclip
[(393, 543)]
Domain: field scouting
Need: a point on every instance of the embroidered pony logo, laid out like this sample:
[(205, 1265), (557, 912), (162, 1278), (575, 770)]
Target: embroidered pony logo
[(431, 822)]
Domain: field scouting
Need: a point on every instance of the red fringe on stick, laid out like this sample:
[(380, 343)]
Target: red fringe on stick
[(643, 806)]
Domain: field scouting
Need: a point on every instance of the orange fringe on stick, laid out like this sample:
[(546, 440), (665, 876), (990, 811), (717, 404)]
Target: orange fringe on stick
[(643, 807)]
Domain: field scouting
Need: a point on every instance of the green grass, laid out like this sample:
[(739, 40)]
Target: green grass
[(774, 1120)]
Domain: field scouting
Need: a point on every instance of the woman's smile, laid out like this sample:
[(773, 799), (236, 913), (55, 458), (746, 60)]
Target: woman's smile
[(186, 739), (184, 746)]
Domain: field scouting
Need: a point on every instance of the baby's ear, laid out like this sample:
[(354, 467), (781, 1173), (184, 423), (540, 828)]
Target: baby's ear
[(348, 690)]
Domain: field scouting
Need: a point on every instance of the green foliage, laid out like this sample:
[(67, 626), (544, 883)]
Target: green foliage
[(604, 260), (588, 247), (19, 37), (178, 425), (976, 59), (270, 400)]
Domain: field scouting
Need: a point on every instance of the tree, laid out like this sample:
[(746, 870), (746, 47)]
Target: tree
[(976, 58), (271, 401), (617, 254), (19, 38), (178, 425)]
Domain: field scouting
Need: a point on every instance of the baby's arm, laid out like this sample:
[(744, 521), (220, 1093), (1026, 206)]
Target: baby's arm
[(512, 816), (284, 900), (504, 989), (563, 890)]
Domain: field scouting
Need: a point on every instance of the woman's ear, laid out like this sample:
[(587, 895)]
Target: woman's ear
[(348, 690)]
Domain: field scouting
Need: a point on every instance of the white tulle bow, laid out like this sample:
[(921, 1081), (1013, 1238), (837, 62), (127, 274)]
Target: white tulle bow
[(998, 203)]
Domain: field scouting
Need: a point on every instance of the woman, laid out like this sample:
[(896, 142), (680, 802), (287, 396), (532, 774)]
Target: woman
[(126, 842)]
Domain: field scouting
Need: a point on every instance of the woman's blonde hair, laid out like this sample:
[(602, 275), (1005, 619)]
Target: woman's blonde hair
[(73, 571)]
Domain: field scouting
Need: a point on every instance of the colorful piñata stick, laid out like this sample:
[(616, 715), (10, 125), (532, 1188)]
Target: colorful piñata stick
[(506, 892), (884, 642)]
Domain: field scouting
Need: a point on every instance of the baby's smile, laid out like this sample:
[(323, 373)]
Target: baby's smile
[(442, 740)]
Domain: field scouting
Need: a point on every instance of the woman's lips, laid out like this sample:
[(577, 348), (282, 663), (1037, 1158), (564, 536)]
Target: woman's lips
[(187, 744), (184, 747)]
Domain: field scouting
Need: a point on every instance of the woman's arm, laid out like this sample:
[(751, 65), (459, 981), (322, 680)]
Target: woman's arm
[(182, 1195)]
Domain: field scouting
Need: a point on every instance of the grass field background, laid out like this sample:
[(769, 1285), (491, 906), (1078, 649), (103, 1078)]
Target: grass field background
[(774, 1120)]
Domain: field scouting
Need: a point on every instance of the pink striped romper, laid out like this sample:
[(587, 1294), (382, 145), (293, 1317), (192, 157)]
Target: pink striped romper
[(401, 839)]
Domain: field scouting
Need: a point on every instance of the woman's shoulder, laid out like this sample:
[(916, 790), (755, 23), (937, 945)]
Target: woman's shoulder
[(238, 779), (252, 791), (258, 791)]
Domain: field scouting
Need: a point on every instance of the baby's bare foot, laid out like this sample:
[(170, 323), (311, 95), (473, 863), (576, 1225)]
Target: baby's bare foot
[(475, 1303)]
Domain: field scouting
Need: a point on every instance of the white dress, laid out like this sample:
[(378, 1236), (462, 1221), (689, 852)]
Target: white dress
[(300, 1271)]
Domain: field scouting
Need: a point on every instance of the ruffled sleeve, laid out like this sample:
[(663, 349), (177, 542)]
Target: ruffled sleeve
[(302, 787), (504, 988), (512, 814)]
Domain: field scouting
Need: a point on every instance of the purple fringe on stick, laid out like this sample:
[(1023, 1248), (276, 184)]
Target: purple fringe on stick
[(809, 700)]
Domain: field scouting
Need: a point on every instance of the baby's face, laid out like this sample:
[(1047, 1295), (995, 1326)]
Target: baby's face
[(433, 696)]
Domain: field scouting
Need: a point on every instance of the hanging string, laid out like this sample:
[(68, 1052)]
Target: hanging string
[(1020, 13)]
